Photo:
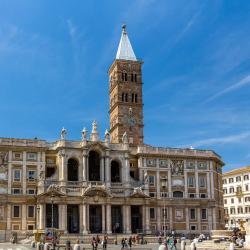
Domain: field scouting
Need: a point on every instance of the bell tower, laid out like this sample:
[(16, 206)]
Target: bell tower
[(125, 94)]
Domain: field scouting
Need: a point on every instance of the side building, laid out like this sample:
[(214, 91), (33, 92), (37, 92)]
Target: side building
[(236, 189), (117, 184)]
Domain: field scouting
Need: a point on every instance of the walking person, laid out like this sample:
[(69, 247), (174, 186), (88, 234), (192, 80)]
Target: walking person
[(163, 246), (174, 244), (130, 242), (94, 243), (123, 243), (105, 242)]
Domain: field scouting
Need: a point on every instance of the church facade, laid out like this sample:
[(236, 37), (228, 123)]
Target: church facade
[(116, 184)]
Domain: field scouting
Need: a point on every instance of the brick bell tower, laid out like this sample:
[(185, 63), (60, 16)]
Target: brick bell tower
[(125, 94)]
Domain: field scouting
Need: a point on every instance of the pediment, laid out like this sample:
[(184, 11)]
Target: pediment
[(138, 193), (54, 190), (101, 191)]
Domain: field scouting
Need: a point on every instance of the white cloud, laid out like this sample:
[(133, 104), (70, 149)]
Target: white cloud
[(222, 140), (245, 81)]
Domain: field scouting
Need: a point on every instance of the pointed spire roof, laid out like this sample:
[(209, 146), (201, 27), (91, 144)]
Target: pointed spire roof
[(125, 50)]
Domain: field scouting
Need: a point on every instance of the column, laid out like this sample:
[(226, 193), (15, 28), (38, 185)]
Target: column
[(84, 167), (102, 174), (108, 171), (103, 219), (126, 177), (158, 218), (170, 209), (210, 218), (140, 166), (9, 217), (108, 212), (42, 216), (9, 171), (128, 229), (169, 184), (196, 180), (214, 219), (84, 219), (124, 218), (212, 179), (199, 219), (158, 181), (80, 217), (147, 217), (208, 186), (64, 218), (187, 219), (185, 180), (24, 173), (24, 217), (62, 169)]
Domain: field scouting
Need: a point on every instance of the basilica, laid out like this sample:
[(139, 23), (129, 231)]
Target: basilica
[(112, 183)]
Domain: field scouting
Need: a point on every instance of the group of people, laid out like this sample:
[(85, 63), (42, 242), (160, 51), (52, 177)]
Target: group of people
[(97, 240), (168, 242)]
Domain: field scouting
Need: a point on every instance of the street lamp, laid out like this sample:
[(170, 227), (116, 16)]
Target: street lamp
[(164, 187)]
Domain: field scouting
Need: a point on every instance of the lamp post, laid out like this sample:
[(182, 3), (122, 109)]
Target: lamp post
[(164, 187)]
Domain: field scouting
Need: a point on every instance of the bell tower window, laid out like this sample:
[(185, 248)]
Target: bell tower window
[(124, 76), (135, 77), (126, 97), (136, 100)]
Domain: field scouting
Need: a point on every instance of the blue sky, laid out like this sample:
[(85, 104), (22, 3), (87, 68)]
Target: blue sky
[(54, 58)]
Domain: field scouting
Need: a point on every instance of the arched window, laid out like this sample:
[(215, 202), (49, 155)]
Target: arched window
[(178, 194), (115, 171), (136, 100), (94, 166), (72, 170), (132, 97), (135, 77), (132, 77), (125, 76), (126, 97)]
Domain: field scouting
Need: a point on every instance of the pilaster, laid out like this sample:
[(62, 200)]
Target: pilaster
[(24, 217), (24, 172), (108, 212)]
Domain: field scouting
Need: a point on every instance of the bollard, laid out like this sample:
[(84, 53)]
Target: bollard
[(183, 245), (231, 246), (192, 246)]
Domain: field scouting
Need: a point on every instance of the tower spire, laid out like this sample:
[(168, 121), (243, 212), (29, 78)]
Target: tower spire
[(125, 50)]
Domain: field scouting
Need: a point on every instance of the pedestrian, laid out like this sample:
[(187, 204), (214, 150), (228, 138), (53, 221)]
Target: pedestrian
[(130, 242), (94, 243), (159, 240), (163, 246), (123, 243), (105, 242), (174, 244)]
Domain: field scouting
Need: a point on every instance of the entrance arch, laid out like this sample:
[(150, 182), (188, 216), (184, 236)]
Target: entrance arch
[(94, 166), (115, 171), (72, 170)]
